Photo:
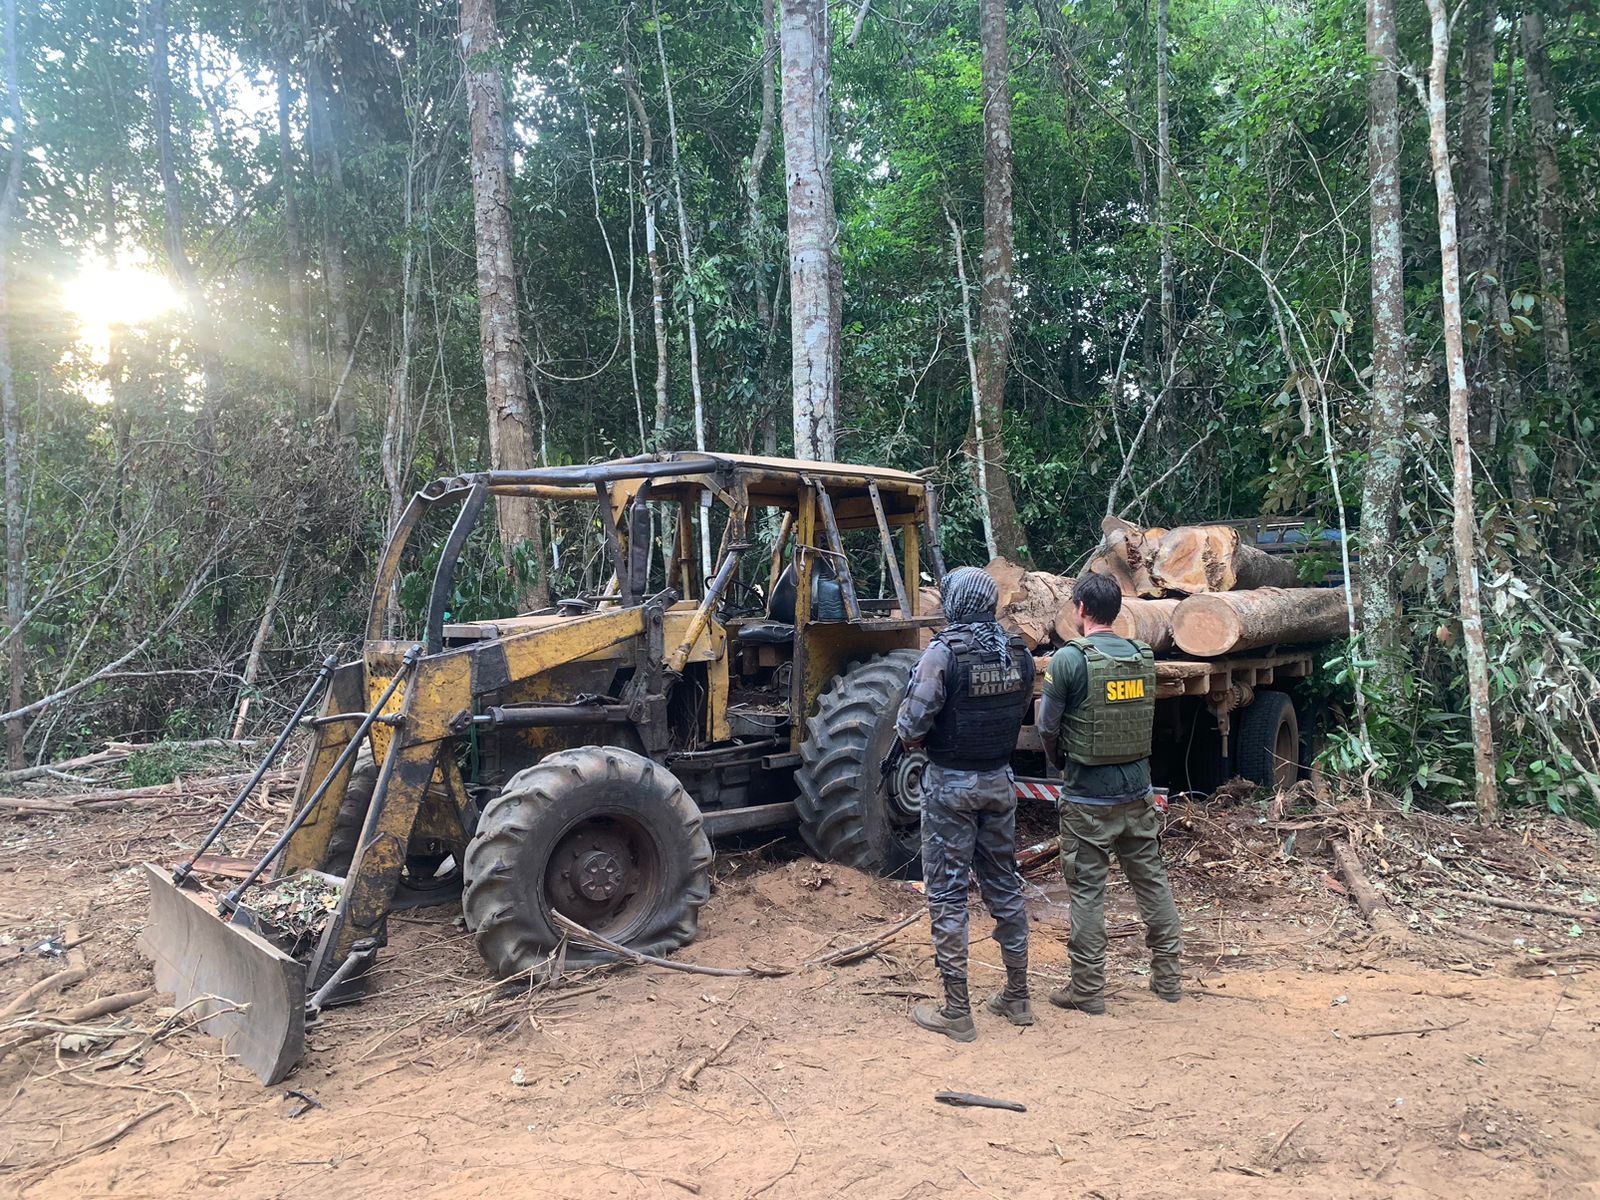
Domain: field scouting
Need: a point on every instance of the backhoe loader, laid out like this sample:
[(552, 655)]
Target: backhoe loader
[(576, 760)]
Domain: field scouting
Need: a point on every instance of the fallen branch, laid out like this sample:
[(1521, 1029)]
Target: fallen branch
[(600, 942), (1421, 1031), (1526, 906), (690, 1073), (850, 954), (1384, 923), (188, 788), (102, 1007), (112, 753), (101, 1143), (50, 983), (1037, 854)]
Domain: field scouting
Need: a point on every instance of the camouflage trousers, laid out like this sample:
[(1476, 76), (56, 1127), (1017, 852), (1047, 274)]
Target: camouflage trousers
[(969, 821), (1090, 835)]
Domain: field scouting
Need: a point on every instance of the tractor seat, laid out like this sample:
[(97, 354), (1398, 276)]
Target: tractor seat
[(764, 633)]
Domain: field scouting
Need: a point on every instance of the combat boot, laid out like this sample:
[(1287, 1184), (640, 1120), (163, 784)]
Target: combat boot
[(1012, 1002), (954, 1019), (1095, 1006), (1166, 982)]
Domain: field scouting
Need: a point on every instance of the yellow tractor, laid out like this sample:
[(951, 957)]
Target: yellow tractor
[(576, 760)]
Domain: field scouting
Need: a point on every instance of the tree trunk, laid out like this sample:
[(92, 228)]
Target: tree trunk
[(1551, 201), (1386, 438), (985, 496), (814, 273), (755, 226), (658, 286), (294, 252), (1465, 520), (1477, 207), (172, 200), (994, 312), (10, 415), (687, 258), (499, 327), (1148, 620), (1224, 622), (329, 169), (1169, 301)]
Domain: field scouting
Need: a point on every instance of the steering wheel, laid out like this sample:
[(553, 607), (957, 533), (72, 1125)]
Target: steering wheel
[(741, 599)]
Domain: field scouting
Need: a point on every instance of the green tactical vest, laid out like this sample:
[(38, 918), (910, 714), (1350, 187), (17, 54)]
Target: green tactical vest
[(1115, 723)]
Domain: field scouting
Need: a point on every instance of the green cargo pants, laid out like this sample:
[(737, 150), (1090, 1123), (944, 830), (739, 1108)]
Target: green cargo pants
[(1090, 834)]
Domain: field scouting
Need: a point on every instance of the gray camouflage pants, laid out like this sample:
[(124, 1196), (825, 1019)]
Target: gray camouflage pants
[(969, 827)]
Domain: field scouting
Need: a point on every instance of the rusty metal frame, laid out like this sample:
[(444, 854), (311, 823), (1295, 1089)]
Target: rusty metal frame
[(852, 603), (886, 541)]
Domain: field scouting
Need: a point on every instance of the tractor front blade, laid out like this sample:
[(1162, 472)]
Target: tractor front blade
[(252, 994)]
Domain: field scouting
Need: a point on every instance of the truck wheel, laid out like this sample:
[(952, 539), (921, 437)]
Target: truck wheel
[(1268, 746), (848, 813), (605, 836)]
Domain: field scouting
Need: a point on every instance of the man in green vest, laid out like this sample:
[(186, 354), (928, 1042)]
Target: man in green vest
[(1096, 717)]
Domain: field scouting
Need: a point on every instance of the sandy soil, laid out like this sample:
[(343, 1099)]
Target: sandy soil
[(1281, 1074)]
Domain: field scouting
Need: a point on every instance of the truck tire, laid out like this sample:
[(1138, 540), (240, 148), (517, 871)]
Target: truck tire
[(1268, 742), (604, 835), (847, 813)]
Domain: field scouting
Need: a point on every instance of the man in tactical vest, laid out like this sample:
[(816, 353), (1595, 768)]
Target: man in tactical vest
[(966, 702), (1096, 716)]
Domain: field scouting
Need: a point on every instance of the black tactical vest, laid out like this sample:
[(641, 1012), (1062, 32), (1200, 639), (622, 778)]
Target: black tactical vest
[(976, 730)]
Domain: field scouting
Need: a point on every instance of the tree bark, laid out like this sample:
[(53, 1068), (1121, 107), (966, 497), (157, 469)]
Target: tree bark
[(658, 285), (499, 326), (995, 284), (755, 225), (815, 283), (294, 251), (1550, 204), (1148, 620), (1224, 622), (1465, 523), (1478, 267), (1386, 439), (10, 415)]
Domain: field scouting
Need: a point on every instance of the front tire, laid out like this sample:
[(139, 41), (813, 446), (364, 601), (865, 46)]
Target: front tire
[(848, 814), (607, 837)]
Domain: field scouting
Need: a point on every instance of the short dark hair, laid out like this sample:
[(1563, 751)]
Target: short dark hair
[(1100, 596)]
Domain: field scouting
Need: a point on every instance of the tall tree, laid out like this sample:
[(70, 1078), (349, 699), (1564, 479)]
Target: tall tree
[(995, 283), (1464, 523), (755, 222), (815, 280), (10, 415), (327, 163), (1480, 265), (1386, 437), (499, 326), (294, 265), (1550, 203), (160, 76), (1169, 300), (658, 285)]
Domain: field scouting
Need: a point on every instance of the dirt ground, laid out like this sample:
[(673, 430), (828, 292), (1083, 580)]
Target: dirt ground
[(1286, 1071)]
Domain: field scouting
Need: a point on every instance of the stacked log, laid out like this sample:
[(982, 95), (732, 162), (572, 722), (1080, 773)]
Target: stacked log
[(1189, 560), (1207, 626)]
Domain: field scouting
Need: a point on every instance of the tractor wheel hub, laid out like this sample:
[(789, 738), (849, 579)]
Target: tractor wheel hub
[(599, 875)]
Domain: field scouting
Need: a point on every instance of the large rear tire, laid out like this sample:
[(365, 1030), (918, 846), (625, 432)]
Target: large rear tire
[(848, 813), (606, 836), (1269, 741)]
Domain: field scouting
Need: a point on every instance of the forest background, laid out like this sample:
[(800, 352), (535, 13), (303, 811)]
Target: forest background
[(1181, 260)]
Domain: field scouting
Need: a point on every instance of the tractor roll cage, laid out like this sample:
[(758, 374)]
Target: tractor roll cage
[(716, 473)]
